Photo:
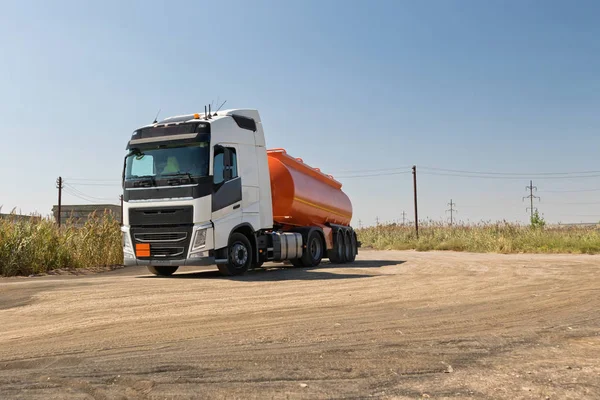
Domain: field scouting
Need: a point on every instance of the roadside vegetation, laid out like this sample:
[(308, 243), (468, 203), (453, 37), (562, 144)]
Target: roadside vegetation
[(499, 237), (37, 245)]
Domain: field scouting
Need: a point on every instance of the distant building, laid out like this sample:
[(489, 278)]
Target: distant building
[(81, 213), (19, 217)]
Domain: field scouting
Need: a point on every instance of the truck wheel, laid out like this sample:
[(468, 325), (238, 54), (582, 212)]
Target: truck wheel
[(351, 246), (297, 263), (336, 255), (162, 270), (313, 253), (239, 256), (347, 247)]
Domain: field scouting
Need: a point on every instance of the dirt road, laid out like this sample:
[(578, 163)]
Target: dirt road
[(393, 325)]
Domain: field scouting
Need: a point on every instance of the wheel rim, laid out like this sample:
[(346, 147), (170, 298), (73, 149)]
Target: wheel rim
[(239, 254), (315, 249)]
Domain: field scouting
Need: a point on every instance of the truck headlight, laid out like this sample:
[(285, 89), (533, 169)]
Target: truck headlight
[(199, 239)]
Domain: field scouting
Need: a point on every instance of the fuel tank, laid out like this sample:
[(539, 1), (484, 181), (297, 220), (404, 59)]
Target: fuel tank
[(304, 196)]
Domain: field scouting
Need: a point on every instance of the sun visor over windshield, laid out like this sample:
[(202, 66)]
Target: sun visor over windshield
[(191, 132)]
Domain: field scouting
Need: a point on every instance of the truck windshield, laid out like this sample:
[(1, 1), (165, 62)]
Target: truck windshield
[(160, 162)]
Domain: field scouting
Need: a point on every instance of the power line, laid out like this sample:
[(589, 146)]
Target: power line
[(78, 193), (507, 177), (95, 184), (570, 191), (511, 173), (580, 215), (574, 203), (93, 179), (371, 175), (78, 196), (88, 199), (358, 171), (83, 198)]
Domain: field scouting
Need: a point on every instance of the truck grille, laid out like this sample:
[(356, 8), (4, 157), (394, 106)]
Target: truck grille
[(168, 231), (152, 237)]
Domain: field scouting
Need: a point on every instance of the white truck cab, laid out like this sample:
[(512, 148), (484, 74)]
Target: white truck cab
[(188, 182)]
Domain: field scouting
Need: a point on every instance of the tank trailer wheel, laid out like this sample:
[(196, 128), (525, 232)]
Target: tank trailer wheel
[(239, 256), (336, 255), (350, 246), (162, 270)]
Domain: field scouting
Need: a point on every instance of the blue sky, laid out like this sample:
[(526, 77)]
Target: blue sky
[(499, 86)]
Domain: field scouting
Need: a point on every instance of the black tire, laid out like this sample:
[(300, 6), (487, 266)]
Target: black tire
[(336, 255), (162, 270), (351, 240), (297, 263), (347, 248), (313, 253), (239, 256)]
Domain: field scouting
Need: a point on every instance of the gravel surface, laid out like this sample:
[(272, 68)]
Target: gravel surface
[(393, 325)]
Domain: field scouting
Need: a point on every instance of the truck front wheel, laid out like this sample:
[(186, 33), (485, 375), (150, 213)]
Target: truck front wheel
[(239, 256), (162, 270)]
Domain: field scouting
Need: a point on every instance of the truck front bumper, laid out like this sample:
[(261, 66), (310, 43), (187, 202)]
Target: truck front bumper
[(200, 261)]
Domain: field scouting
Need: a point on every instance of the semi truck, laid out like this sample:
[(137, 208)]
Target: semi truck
[(202, 189)]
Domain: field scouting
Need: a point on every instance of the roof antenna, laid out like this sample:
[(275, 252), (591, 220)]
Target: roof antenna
[(205, 117), (209, 111), (156, 118), (221, 106), (216, 104)]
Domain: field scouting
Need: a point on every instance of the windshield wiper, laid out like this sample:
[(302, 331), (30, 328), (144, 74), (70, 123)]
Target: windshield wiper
[(146, 179), (179, 174)]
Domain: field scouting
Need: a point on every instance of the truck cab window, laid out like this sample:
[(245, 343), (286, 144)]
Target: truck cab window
[(224, 170)]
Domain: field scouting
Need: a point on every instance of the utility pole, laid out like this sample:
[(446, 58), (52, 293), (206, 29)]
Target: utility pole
[(121, 198), (531, 188), (359, 223), (452, 210), (377, 221), (59, 186), (403, 218), (414, 171)]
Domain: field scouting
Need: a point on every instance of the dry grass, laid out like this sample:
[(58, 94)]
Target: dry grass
[(500, 237), (32, 246)]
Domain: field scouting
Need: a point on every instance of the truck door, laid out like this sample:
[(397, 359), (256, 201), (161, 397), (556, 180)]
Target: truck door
[(227, 194)]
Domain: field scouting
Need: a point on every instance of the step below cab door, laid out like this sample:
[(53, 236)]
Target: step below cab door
[(227, 193)]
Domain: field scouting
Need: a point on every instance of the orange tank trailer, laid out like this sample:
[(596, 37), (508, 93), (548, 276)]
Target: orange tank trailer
[(304, 196)]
